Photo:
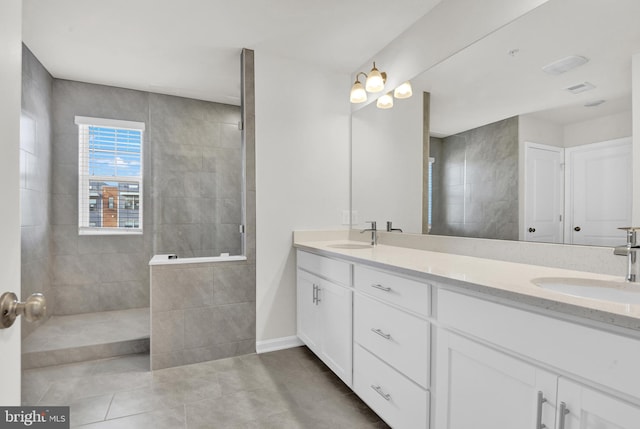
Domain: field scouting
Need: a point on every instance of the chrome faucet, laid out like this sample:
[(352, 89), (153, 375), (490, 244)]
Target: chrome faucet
[(630, 250), (390, 227), (374, 232)]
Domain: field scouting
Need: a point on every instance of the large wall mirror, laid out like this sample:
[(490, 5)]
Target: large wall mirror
[(493, 146)]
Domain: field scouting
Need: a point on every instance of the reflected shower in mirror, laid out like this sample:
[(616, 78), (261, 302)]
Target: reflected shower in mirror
[(511, 150)]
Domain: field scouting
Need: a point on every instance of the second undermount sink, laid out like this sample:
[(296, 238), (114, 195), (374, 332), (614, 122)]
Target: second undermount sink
[(351, 246), (617, 291)]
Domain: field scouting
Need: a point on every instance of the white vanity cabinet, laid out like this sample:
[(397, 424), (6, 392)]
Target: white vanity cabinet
[(499, 367), (324, 314), (392, 346)]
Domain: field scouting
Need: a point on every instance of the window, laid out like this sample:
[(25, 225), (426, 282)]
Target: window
[(110, 176)]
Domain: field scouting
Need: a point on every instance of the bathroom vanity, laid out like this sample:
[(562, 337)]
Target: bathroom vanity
[(445, 341)]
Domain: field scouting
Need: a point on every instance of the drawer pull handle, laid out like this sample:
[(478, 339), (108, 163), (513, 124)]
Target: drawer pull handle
[(541, 400), (383, 288), (563, 412), (379, 391), (382, 334)]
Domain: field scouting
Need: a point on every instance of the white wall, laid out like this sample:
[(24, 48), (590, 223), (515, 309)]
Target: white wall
[(533, 130), (601, 129), (10, 88), (302, 175), (635, 94), (387, 164)]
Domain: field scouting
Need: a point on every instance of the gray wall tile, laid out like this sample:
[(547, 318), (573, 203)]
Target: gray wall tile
[(35, 183), (193, 165), (475, 189)]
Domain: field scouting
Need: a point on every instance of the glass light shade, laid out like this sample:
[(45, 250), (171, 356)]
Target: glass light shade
[(375, 81), (403, 91), (385, 101), (358, 94)]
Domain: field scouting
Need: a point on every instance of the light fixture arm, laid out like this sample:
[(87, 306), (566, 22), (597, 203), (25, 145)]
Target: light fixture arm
[(358, 76)]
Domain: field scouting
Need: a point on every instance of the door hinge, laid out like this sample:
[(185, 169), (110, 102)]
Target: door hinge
[(241, 229), (240, 125), (560, 218)]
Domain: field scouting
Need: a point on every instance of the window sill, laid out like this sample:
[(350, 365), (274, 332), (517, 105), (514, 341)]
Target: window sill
[(104, 231)]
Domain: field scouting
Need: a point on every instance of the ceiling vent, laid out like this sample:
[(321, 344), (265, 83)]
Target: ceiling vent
[(565, 64), (581, 87), (594, 103)]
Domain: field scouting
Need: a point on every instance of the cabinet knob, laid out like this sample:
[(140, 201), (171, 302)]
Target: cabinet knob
[(577, 229), (532, 230)]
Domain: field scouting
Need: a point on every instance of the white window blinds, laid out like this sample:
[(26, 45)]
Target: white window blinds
[(110, 176)]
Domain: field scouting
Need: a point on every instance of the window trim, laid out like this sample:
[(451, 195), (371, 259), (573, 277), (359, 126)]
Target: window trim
[(83, 176)]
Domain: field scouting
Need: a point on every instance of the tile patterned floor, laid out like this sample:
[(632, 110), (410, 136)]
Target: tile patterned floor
[(285, 389)]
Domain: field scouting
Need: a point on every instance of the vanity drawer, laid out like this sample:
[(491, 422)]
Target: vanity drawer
[(410, 294), (398, 338), (393, 397), (330, 269)]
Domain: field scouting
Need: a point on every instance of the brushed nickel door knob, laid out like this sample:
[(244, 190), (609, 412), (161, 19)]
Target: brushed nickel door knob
[(33, 309)]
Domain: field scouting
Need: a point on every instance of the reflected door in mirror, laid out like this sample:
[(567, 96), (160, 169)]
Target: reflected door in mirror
[(543, 193)]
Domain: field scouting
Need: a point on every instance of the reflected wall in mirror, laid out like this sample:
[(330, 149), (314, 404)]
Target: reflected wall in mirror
[(491, 107)]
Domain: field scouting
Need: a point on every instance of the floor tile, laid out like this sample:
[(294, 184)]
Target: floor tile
[(89, 410), (287, 389)]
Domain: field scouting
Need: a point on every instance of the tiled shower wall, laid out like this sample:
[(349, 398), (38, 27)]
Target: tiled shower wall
[(202, 312), (35, 181), (90, 272), (191, 193), (197, 176), (475, 182), (207, 311)]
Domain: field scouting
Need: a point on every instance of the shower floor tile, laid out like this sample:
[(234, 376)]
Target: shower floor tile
[(61, 332), (90, 336)]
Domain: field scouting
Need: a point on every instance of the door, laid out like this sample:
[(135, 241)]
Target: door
[(481, 388), (591, 409), (544, 189), (10, 104), (335, 303), (308, 312), (599, 191)]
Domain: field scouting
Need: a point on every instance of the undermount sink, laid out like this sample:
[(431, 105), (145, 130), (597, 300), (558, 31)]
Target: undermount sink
[(617, 291), (351, 246)]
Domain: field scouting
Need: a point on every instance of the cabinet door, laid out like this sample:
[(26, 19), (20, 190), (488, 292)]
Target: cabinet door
[(335, 303), (591, 409), (308, 313), (482, 388)]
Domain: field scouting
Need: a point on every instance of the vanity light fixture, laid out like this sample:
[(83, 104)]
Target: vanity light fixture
[(358, 94), (374, 82), (403, 91), (385, 101)]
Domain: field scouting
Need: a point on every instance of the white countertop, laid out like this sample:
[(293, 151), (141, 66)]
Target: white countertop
[(497, 278)]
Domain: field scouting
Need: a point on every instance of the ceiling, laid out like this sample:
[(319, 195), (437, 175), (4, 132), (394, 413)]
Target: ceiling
[(191, 48), (483, 83)]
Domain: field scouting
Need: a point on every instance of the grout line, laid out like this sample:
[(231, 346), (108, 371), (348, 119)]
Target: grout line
[(113, 395)]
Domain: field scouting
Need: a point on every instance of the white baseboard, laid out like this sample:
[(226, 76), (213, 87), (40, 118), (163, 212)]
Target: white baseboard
[(278, 344)]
